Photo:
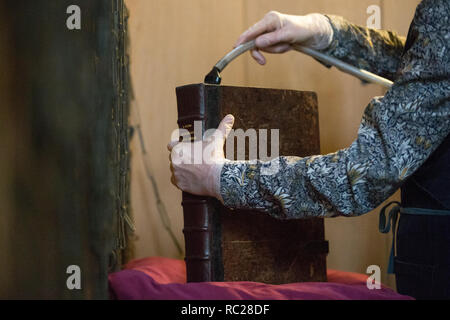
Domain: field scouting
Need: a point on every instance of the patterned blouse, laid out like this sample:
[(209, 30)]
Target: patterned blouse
[(398, 132)]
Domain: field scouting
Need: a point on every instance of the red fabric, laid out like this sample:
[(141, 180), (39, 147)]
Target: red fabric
[(165, 279), (161, 270)]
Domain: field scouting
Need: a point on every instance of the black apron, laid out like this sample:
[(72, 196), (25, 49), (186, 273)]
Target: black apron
[(420, 255)]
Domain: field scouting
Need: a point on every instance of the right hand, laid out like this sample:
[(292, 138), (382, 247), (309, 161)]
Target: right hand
[(277, 32)]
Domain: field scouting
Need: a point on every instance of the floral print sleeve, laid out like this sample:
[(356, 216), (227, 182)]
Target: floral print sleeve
[(377, 51), (397, 134)]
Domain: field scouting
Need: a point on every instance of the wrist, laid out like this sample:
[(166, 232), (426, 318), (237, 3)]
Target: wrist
[(214, 179), (324, 32)]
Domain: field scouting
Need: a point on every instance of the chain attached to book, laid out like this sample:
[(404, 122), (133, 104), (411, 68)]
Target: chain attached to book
[(165, 219), (213, 77)]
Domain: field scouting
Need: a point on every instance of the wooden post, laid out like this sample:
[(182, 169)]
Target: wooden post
[(64, 147)]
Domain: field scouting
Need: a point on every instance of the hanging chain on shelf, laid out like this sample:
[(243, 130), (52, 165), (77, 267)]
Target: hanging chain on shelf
[(165, 219), (121, 111)]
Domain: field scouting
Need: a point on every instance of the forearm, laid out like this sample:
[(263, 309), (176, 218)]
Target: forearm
[(394, 140), (287, 194), (343, 183), (377, 51)]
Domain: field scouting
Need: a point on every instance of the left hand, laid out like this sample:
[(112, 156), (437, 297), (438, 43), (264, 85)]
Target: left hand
[(200, 178)]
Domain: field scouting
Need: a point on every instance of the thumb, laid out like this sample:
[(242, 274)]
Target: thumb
[(225, 127)]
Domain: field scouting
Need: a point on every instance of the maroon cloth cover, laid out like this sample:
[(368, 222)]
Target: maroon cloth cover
[(165, 279)]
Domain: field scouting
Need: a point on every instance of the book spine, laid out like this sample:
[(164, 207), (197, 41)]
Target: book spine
[(196, 209), (197, 235)]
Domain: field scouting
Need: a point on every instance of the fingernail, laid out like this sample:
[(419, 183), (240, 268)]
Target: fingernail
[(257, 57)]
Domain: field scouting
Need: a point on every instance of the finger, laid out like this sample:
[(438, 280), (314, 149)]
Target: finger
[(225, 126), (269, 23), (273, 38), (280, 48), (258, 57), (172, 144)]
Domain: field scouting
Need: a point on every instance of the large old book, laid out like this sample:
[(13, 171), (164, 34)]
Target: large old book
[(246, 245)]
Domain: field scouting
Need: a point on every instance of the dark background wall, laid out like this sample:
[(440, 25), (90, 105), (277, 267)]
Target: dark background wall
[(63, 147)]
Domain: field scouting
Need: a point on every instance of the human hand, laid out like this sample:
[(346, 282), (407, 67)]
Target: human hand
[(277, 33), (200, 176)]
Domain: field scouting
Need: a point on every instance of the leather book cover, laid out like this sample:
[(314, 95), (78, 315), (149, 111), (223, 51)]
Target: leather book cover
[(249, 245)]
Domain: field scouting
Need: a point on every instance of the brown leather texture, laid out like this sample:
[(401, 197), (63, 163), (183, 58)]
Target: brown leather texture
[(249, 245)]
